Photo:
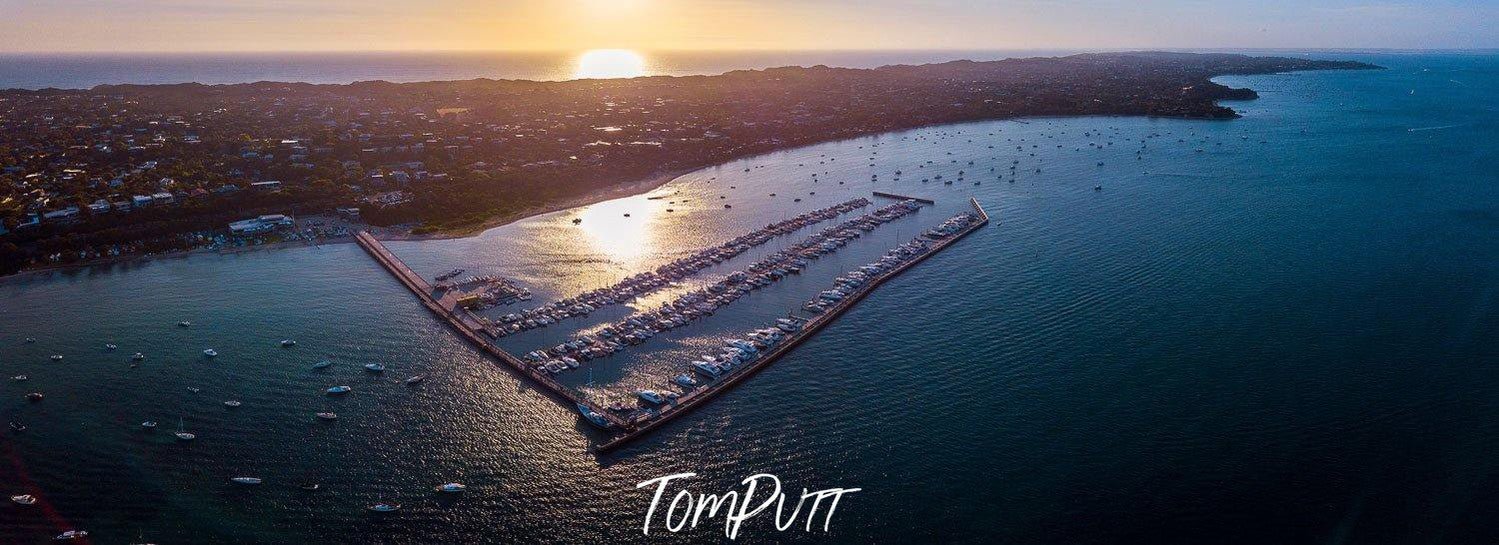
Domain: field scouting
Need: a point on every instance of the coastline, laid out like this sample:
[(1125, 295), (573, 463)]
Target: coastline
[(629, 189)]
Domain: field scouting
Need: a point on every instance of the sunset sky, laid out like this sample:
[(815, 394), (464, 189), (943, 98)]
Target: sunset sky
[(300, 25)]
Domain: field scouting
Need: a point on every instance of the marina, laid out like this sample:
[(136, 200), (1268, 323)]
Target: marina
[(662, 408), (1082, 342)]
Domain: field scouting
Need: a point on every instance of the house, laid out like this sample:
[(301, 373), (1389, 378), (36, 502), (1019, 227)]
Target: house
[(64, 215), (268, 222)]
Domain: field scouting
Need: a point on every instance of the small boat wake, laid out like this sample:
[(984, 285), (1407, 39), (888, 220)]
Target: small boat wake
[(1436, 128)]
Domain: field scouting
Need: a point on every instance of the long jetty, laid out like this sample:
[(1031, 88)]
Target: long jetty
[(470, 327), (701, 395), (903, 197)]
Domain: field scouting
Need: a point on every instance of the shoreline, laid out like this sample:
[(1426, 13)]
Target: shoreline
[(628, 189)]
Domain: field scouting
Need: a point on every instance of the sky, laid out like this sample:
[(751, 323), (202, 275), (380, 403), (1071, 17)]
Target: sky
[(570, 25)]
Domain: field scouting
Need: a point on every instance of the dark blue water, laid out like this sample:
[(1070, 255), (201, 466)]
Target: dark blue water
[(1288, 336)]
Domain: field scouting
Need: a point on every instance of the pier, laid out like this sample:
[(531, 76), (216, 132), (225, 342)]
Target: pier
[(903, 197), (809, 328), (470, 327)]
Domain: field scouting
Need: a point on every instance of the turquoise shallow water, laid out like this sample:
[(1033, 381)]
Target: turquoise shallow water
[(1287, 336)]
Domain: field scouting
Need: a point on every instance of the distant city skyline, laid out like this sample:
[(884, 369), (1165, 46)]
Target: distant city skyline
[(566, 25)]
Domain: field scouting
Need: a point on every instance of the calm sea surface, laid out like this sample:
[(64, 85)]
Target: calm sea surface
[(1278, 329)]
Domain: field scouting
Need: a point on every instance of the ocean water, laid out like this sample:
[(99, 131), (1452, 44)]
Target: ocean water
[(1275, 329)]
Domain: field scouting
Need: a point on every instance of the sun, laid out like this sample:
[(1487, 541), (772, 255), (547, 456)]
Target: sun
[(609, 63)]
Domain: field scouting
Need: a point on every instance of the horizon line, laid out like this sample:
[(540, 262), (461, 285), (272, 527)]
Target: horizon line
[(738, 50)]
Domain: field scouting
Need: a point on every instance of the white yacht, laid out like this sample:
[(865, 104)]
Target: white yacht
[(138, 356), (110, 346), (24, 499), (385, 507), (20, 378), (71, 535), (288, 343), (210, 352), (415, 380), (321, 364), (336, 390), (246, 480), (183, 435), (374, 367), (232, 403), (452, 488), (57, 357), (685, 380), (327, 416), (184, 323), (650, 396), (706, 368), (149, 424)]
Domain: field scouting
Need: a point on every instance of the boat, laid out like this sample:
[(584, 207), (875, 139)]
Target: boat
[(246, 480), (183, 435), (415, 380), (327, 416), (336, 390), (374, 367), (311, 487), (706, 368), (451, 488), (24, 499), (194, 390), (322, 364), (650, 396), (17, 427), (594, 417), (149, 424), (232, 403), (184, 323), (210, 352), (385, 507), (57, 357), (34, 397), (110, 346), (288, 343), (685, 380), (138, 356), (71, 535), (20, 378)]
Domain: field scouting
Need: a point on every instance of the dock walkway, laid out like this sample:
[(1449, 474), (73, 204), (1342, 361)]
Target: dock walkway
[(696, 397), (469, 326)]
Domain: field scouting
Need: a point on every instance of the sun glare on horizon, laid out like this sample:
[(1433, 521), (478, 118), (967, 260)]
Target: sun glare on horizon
[(609, 63)]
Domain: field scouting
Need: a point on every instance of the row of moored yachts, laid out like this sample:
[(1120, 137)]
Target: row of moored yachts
[(846, 284), (664, 275), (693, 305), (733, 354)]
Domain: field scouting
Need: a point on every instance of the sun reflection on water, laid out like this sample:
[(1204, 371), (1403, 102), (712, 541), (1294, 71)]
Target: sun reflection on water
[(624, 240)]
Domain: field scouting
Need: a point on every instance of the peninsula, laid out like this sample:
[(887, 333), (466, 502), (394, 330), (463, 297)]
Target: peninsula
[(128, 170)]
